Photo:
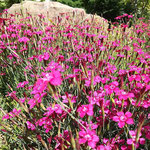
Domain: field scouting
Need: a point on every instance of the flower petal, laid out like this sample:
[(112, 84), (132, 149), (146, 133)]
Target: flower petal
[(92, 144), (128, 114), (130, 121), (116, 118), (121, 124)]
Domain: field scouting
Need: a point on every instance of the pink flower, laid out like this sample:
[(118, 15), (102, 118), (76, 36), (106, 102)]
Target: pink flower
[(32, 103), (104, 80), (39, 86), (23, 39), (53, 66), (97, 97), (16, 112), (88, 136), (58, 138), (85, 109), (57, 109), (46, 122), (97, 79), (112, 87), (22, 100), (132, 140), (125, 147), (22, 84), (124, 95), (54, 77), (40, 57), (30, 125), (37, 99), (5, 117), (147, 131), (68, 97), (45, 56), (130, 16), (104, 147), (123, 119), (11, 114), (119, 17)]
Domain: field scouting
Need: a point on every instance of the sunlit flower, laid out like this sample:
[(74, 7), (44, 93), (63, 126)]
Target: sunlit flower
[(88, 136), (123, 119), (85, 109)]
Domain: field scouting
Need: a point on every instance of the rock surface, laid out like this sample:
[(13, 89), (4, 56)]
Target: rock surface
[(49, 9), (46, 8)]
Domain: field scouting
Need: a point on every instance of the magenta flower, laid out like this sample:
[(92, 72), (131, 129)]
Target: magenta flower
[(85, 109), (57, 109), (54, 77), (45, 56), (134, 77), (30, 125), (123, 119), (97, 97), (14, 112), (104, 147), (6, 117), (22, 84), (54, 66), (39, 86), (112, 87), (67, 97), (48, 125), (132, 140), (124, 95), (23, 39), (88, 136), (147, 132), (65, 135), (97, 79), (32, 103), (130, 16), (46, 122)]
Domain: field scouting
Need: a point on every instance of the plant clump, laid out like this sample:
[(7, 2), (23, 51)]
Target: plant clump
[(74, 84)]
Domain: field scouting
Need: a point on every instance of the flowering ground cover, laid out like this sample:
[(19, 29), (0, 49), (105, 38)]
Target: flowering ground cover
[(72, 84)]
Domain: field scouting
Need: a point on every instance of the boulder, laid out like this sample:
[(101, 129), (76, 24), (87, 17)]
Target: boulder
[(50, 10)]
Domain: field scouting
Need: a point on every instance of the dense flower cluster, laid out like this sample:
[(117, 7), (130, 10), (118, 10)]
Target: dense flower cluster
[(75, 84)]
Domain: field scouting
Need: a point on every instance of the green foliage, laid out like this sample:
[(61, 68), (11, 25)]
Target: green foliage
[(141, 8), (72, 3), (2, 5), (7, 3), (110, 9)]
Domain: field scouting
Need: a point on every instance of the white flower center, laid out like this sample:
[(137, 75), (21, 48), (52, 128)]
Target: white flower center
[(88, 137)]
